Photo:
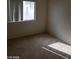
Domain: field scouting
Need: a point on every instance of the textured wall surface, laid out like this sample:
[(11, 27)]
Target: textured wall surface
[(59, 19)]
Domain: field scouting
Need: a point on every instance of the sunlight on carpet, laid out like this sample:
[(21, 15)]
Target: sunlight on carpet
[(61, 47)]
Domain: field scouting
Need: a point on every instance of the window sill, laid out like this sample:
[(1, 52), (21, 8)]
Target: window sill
[(21, 21)]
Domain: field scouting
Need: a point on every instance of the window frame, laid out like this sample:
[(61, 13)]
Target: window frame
[(34, 13), (20, 12)]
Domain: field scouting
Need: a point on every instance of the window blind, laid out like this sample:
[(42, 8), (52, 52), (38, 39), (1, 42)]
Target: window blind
[(15, 10)]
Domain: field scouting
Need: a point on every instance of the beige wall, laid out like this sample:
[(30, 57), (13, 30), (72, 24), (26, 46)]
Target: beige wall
[(59, 22), (30, 27)]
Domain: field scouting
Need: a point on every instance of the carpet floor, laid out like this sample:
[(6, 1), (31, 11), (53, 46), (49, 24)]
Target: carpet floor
[(31, 47)]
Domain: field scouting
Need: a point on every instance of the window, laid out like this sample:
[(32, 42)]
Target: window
[(28, 10), (21, 10)]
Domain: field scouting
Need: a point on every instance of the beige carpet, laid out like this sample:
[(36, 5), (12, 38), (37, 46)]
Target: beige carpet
[(30, 47)]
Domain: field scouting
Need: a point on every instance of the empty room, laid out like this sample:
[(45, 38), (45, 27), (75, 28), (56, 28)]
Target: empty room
[(39, 29)]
